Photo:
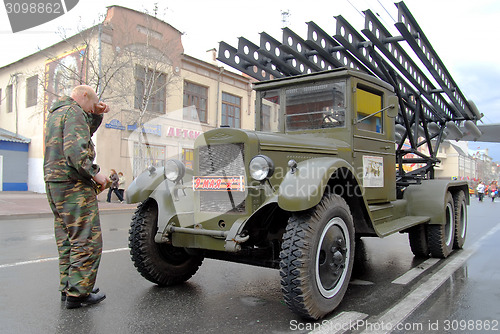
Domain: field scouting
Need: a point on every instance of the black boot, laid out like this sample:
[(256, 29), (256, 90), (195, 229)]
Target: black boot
[(63, 294), (91, 299)]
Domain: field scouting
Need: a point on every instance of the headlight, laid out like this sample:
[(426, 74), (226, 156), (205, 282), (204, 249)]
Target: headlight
[(261, 167), (174, 170)]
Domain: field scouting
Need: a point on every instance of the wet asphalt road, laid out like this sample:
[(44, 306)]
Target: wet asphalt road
[(226, 298)]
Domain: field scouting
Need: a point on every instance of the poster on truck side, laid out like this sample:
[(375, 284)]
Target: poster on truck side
[(373, 171)]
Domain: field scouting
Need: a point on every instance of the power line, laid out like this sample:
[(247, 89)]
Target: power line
[(355, 8), (386, 11)]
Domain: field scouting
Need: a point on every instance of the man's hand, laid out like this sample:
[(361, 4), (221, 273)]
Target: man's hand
[(101, 179), (101, 108)]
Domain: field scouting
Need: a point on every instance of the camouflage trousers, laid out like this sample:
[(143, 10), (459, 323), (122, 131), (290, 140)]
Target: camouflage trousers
[(78, 235)]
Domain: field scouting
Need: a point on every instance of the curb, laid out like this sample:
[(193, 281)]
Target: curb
[(39, 215)]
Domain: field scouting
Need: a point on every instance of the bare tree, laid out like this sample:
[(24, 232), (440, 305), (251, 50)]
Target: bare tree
[(81, 59), (131, 62), (150, 75)]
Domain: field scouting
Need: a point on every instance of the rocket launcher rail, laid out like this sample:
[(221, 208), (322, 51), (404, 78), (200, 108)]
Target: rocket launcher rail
[(430, 103)]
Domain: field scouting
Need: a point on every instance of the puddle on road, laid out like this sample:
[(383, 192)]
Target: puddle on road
[(252, 301)]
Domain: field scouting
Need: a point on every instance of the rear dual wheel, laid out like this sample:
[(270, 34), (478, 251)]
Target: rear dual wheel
[(418, 240), (441, 237), (440, 240), (460, 220)]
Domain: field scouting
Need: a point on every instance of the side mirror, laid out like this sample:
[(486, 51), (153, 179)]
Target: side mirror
[(393, 104)]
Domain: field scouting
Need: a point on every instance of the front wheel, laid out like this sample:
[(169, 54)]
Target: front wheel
[(159, 263), (317, 257)]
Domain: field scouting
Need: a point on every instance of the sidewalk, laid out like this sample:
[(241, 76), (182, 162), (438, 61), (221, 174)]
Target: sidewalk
[(26, 204)]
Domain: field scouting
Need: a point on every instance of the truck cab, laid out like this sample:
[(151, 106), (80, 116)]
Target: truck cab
[(338, 105)]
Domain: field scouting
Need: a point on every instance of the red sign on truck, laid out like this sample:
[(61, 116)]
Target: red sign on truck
[(218, 183)]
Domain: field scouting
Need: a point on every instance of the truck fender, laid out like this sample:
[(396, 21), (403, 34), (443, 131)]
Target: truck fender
[(304, 187), (144, 185), (173, 207), (170, 198), (428, 198)]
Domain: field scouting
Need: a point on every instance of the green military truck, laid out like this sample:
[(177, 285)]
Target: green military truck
[(339, 152)]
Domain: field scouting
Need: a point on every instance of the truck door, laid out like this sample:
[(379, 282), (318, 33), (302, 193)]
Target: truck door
[(373, 144)]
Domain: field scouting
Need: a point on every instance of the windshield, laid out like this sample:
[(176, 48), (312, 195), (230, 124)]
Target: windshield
[(315, 106), (308, 107), (270, 111)]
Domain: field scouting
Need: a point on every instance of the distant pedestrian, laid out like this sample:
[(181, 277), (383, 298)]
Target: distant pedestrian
[(114, 186), (121, 184), (480, 191), (493, 190), (72, 182)]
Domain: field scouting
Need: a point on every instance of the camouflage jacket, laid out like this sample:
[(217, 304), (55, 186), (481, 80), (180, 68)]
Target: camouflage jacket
[(69, 151)]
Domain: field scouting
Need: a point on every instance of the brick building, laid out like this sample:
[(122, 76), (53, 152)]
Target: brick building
[(160, 98)]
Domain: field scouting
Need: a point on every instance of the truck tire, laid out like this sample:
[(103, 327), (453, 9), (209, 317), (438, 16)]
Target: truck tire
[(460, 220), (160, 263), (418, 240), (441, 237), (317, 257)]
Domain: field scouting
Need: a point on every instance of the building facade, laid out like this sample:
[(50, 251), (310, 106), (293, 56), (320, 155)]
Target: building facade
[(160, 99), (456, 163), (461, 163), (13, 161)]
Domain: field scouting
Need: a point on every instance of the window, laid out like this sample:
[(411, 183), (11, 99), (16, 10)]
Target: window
[(10, 98), (188, 157), (149, 32), (147, 155), (269, 110), (369, 103), (31, 91), (316, 106), (231, 110), (197, 96), (150, 90)]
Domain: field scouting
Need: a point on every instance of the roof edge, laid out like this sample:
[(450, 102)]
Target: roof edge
[(6, 135)]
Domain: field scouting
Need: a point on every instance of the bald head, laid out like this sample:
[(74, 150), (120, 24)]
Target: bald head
[(86, 97)]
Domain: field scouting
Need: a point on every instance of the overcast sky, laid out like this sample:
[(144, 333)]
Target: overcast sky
[(463, 33)]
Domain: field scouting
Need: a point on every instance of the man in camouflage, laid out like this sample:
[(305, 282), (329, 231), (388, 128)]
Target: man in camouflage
[(72, 182)]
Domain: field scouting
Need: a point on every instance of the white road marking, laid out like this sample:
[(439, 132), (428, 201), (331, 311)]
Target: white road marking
[(413, 273), (402, 310), (340, 323), (360, 282), (487, 235), (399, 312), (393, 316), (28, 262), (53, 259)]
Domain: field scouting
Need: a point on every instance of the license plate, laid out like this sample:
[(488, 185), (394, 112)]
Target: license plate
[(218, 183)]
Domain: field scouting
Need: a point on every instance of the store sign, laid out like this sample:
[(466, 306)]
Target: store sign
[(149, 129), (182, 133), (172, 131), (115, 124)]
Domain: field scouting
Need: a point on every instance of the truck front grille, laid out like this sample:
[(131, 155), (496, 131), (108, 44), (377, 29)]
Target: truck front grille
[(222, 160)]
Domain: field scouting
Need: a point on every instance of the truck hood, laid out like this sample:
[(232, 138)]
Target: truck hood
[(303, 142), (306, 143)]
